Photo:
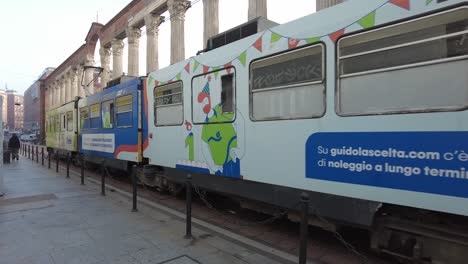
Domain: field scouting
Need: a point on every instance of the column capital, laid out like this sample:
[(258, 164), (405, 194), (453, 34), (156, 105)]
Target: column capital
[(89, 60), (152, 23), (104, 52), (117, 46), (177, 8), (74, 75), (133, 35)]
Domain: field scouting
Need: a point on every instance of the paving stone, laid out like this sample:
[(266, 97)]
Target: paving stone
[(154, 255), (182, 260), (256, 258), (220, 255), (37, 259), (77, 254), (9, 217)]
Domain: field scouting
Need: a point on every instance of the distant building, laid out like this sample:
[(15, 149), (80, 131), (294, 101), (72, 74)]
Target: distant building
[(33, 105), (14, 111), (31, 108), (3, 94), (42, 101)]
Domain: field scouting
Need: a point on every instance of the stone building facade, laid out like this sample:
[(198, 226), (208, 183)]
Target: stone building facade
[(31, 107), (3, 94), (32, 104), (15, 111)]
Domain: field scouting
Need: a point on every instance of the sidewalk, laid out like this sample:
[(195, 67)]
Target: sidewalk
[(47, 218)]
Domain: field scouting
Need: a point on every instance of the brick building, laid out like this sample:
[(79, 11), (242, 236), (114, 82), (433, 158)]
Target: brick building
[(32, 104), (14, 111), (3, 94)]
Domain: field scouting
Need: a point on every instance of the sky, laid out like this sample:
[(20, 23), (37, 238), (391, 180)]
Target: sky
[(41, 34)]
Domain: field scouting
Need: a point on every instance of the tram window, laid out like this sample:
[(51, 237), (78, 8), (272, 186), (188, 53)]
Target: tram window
[(95, 116), (69, 121), (124, 113), (289, 85), (84, 118), (64, 122), (107, 114), (168, 104), (213, 97), (227, 93), (57, 123), (413, 66)]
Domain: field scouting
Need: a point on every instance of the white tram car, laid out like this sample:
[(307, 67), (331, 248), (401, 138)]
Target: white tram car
[(362, 105)]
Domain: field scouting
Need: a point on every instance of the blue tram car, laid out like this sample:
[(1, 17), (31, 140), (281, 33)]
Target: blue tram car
[(111, 126)]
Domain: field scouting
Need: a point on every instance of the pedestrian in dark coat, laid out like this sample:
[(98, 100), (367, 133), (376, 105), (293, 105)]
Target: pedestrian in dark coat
[(14, 146)]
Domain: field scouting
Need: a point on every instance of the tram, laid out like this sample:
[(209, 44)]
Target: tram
[(363, 106)]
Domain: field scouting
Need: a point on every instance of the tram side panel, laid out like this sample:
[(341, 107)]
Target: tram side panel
[(109, 126), (264, 123), (61, 128)]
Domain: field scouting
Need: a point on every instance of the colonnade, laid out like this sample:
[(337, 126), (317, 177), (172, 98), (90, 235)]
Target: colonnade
[(66, 86)]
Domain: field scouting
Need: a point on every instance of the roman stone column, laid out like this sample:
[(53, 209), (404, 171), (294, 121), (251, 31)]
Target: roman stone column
[(152, 23), (79, 86), (105, 54), (50, 95), (322, 4), (177, 10), (54, 94), (57, 92), (210, 19), (68, 87), (62, 90), (117, 49), (73, 85), (88, 78), (133, 35), (257, 8)]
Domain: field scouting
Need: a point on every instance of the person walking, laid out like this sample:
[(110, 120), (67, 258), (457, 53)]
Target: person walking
[(14, 146)]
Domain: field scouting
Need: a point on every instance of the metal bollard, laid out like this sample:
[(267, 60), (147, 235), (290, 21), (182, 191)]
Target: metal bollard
[(82, 169), (304, 228), (103, 180), (37, 154), (42, 156), (29, 152), (32, 153), (134, 182), (56, 161), (68, 165), (49, 157), (188, 210)]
